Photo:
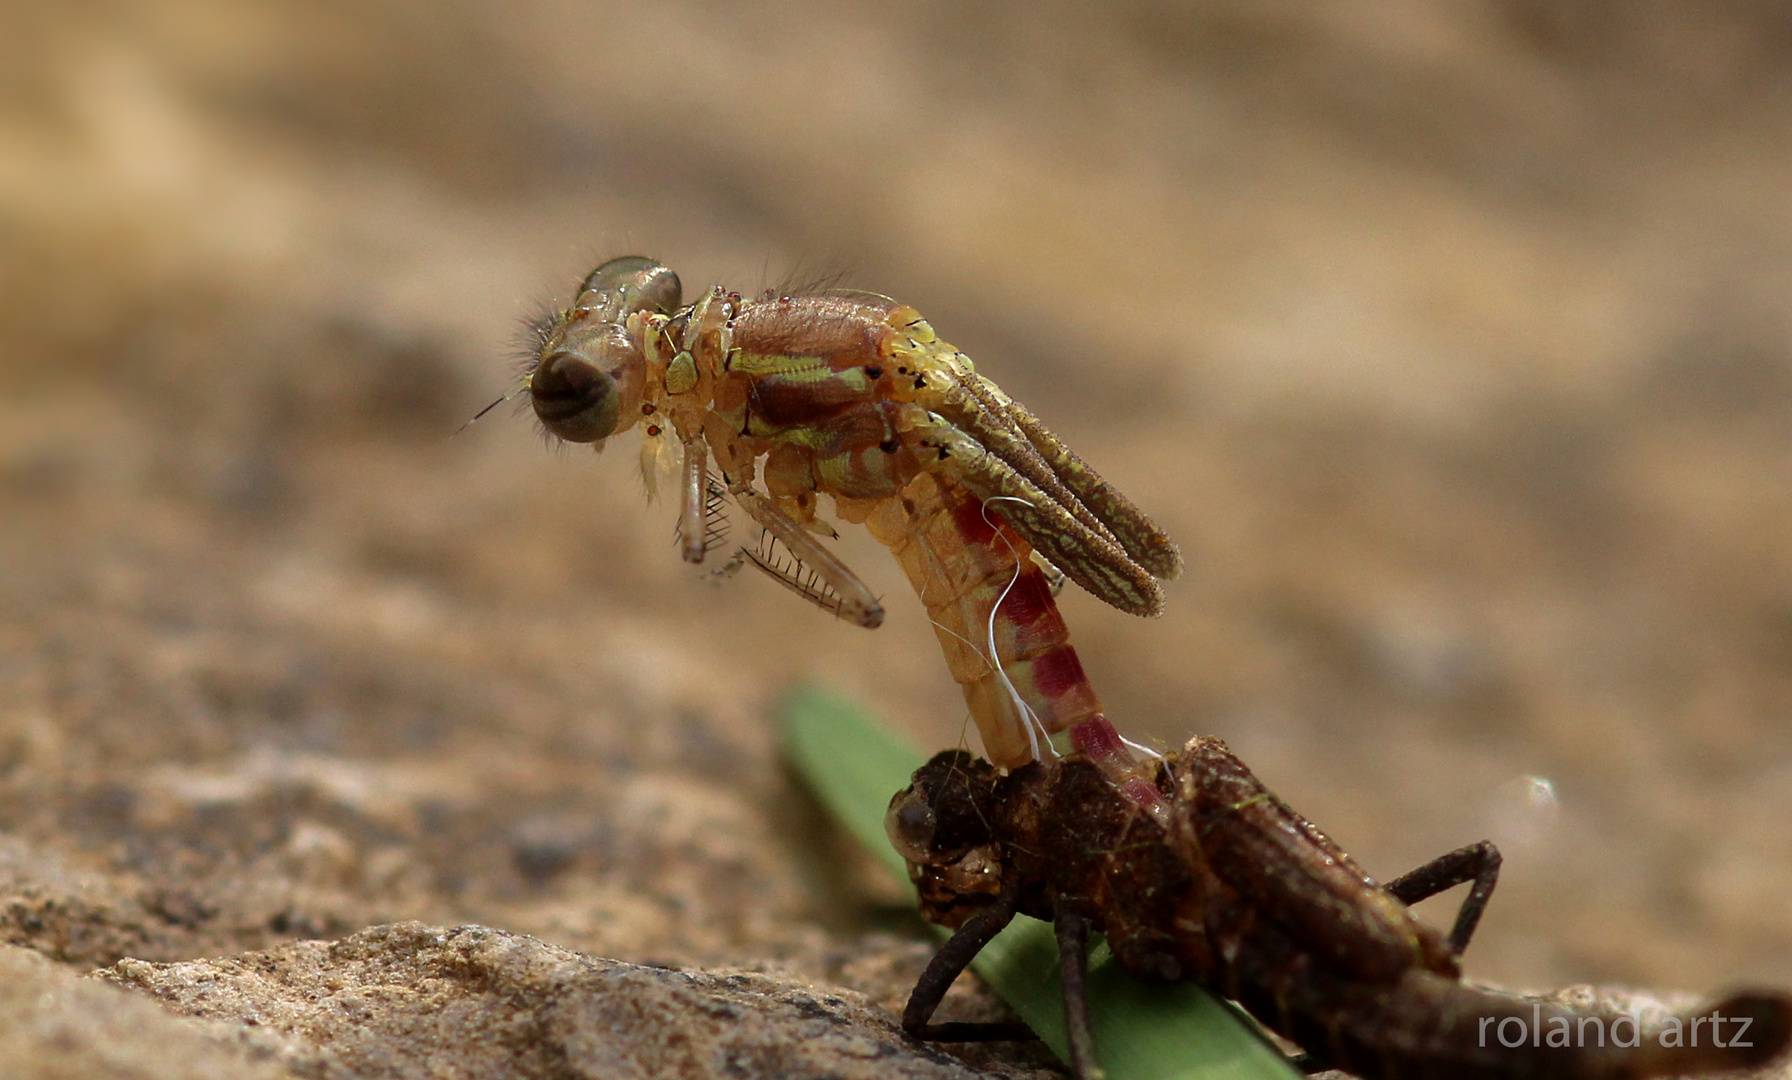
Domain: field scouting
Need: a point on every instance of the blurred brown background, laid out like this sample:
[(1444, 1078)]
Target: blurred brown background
[(1452, 341)]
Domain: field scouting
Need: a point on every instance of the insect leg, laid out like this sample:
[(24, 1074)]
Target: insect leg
[(954, 956), (694, 500), (1073, 956), (856, 603), (1479, 863)]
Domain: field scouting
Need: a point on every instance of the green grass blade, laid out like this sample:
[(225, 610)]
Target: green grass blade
[(1142, 1030)]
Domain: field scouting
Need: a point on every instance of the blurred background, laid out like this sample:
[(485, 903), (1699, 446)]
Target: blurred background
[(1452, 340)]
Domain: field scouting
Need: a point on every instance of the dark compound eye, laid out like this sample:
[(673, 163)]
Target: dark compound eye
[(574, 398), (910, 824)]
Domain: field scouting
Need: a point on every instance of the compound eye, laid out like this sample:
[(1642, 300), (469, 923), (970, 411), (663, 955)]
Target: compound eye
[(574, 398), (634, 283), (910, 824)]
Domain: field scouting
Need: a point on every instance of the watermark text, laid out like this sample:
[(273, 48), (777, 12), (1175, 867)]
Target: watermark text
[(1624, 1030)]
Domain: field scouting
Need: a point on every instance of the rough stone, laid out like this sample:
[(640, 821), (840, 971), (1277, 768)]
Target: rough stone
[(413, 1001), (55, 1025)]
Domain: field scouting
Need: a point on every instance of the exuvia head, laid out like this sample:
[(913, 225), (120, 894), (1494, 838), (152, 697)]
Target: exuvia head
[(590, 372), (943, 824), (944, 812)]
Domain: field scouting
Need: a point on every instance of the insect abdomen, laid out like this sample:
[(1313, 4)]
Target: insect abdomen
[(981, 588)]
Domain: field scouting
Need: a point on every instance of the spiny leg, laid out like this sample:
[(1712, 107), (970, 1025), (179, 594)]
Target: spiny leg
[(1073, 956), (953, 957), (1479, 863), (856, 604)]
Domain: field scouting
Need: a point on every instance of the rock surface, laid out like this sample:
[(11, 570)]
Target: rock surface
[(409, 1002), (55, 1025)]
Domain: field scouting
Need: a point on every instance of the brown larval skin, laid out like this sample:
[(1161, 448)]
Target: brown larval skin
[(1248, 898)]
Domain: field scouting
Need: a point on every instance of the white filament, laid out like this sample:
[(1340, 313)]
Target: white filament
[(1035, 727)]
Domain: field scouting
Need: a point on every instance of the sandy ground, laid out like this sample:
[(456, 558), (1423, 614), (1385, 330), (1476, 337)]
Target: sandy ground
[(1452, 341)]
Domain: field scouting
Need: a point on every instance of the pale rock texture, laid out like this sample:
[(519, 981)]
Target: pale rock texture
[(410, 1002), (55, 1025)]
